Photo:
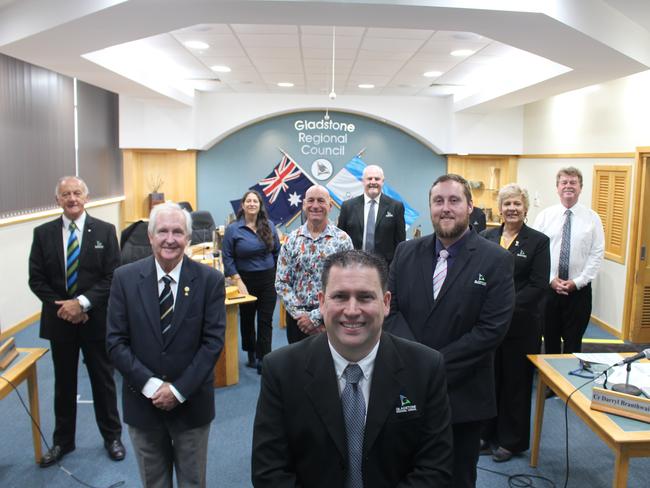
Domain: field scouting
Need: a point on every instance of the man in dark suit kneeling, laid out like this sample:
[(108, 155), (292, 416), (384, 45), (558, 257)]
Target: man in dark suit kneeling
[(354, 407)]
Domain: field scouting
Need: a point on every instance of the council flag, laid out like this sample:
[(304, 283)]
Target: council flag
[(347, 184), (283, 191)]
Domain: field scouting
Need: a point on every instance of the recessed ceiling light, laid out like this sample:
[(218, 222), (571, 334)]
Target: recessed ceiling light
[(462, 52), (366, 86), (196, 44), (432, 74), (285, 84), (220, 69)]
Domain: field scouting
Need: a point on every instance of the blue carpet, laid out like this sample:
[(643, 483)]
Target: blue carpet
[(230, 441)]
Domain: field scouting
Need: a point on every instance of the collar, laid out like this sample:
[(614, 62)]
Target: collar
[(366, 364), (80, 222), (455, 248), (304, 231), (366, 199), (174, 273)]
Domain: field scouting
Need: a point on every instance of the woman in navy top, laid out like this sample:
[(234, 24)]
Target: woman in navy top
[(250, 252)]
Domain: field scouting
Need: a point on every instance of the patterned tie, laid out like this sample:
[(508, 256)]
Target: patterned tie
[(565, 248), (354, 414), (72, 260), (440, 273), (166, 305), (369, 242)]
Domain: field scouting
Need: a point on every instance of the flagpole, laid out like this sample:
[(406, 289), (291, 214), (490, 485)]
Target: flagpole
[(360, 153)]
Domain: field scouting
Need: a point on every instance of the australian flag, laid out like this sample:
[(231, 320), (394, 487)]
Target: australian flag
[(283, 191)]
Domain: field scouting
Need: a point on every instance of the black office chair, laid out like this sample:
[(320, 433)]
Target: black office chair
[(202, 226), (134, 242), (186, 206)]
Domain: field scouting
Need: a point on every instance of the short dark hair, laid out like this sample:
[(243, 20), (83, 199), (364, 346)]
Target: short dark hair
[(351, 257), (458, 179), (568, 171)]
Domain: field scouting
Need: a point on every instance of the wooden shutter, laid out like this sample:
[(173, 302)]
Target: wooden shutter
[(610, 199)]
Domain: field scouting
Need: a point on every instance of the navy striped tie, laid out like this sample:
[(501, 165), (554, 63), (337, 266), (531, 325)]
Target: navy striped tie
[(72, 260), (166, 305)]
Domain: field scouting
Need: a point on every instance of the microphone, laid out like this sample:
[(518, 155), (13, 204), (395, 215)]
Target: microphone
[(643, 354)]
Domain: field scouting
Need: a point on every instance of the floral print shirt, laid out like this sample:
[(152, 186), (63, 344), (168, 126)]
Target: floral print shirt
[(300, 264)]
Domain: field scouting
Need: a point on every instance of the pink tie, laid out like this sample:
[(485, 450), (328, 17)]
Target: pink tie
[(440, 273)]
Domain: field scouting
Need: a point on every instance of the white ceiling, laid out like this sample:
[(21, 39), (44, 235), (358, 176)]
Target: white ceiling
[(523, 50)]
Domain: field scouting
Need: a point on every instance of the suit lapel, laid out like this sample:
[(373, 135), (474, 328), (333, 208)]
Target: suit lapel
[(148, 290), (381, 210), (520, 241), (183, 298), (384, 390), (323, 392), (460, 262), (58, 238), (359, 215), (424, 259), (87, 239)]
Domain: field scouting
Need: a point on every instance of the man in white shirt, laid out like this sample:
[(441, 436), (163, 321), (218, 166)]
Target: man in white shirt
[(577, 250), (386, 217), (353, 407)]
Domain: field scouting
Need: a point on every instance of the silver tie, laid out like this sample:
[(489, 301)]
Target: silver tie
[(354, 414), (440, 273)]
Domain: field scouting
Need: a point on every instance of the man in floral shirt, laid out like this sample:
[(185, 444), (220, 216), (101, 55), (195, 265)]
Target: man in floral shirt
[(297, 280)]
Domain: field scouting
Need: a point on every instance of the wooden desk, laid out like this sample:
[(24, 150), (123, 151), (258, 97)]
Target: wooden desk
[(626, 437), (24, 368), (226, 372)]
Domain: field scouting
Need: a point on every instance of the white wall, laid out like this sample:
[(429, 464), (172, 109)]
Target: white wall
[(610, 117), (538, 176), (17, 302), (147, 123)]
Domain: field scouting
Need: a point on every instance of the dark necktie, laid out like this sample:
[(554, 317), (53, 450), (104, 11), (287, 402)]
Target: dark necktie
[(166, 305), (354, 414), (72, 260), (369, 241), (440, 273), (565, 248)]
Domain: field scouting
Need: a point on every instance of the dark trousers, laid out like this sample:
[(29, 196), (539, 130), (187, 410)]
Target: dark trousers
[(294, 334), (260, 284), (514, 383), (467, 439), (65, 356), (567, 318)]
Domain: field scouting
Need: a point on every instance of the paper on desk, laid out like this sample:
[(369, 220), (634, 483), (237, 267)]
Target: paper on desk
[(608, 358)]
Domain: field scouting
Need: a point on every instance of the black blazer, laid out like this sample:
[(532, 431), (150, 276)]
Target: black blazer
[(187, 355), (467, 321), (299, 431), (389, 226), (98, 258), (532, 257)]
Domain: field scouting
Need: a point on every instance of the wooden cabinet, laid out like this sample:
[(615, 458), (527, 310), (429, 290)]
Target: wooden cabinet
[(486, 174)]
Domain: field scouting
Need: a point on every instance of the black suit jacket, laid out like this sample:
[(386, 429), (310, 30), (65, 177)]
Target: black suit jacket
[(389, 226), (98, 258), (532, 257), (299, 432), (185, 357), (467, 321)]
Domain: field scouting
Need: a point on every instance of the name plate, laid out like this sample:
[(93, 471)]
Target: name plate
[(7, 353), (629, 406)]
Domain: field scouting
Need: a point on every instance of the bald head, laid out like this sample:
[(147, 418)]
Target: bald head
[(317, 205)]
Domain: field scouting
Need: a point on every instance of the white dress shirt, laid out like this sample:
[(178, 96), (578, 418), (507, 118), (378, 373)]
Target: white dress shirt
[(80, 223), (366, 364), (366, 211), (587, 241), (153, 383)]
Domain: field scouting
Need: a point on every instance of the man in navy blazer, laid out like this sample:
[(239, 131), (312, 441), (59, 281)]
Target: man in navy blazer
[(166, 322), (389, 229), (467, 320), (301, 430), (73, 318)]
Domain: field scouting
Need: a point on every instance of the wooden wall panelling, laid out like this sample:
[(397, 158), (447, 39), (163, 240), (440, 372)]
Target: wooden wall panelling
[(493, 171), (177, 170)]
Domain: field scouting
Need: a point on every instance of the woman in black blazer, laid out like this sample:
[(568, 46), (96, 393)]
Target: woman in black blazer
[(509, 432)]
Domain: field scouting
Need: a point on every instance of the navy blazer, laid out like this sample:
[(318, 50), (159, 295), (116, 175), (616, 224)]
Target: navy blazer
[(389, 226), (532, 257), (467, 321), (98, 258), (185, 357), (299, 431)]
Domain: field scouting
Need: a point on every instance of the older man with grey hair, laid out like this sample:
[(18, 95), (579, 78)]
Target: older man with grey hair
[(166, 323)]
